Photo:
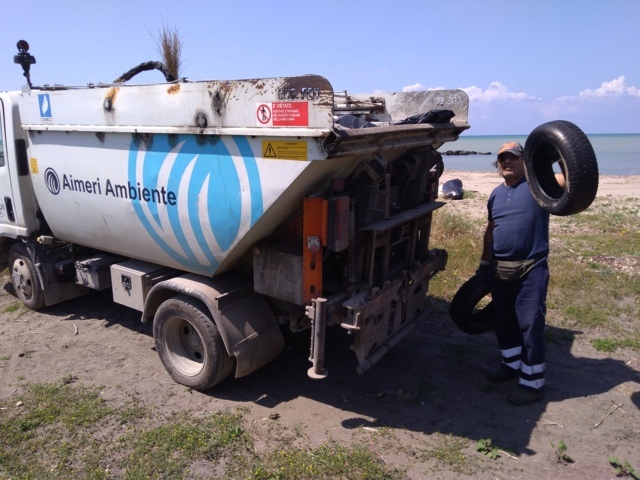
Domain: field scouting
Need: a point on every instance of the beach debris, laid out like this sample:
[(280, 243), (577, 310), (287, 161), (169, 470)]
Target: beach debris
[(464, 152), (613, 409), (452, 189)]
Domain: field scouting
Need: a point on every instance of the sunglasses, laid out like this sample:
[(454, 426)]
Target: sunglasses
[(508, 156)]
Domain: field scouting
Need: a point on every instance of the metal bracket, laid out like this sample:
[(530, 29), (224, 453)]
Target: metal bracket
[(318, 313)]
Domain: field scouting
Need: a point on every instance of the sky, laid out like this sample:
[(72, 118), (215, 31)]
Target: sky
[(522, 62)]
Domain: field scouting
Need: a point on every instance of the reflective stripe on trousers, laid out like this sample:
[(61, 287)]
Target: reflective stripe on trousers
[(520, 323)]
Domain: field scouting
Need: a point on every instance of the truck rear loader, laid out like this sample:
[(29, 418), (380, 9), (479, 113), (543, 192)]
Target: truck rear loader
[(227, 210)]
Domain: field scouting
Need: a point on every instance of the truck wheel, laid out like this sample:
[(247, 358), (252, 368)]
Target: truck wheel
[(24, 277), (563, 142), (464, 311), (189, 344)]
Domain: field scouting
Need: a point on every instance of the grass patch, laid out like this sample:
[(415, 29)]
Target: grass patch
[(594, 264), (450, 453), (461, 236), (595, 273), (47, 436), (61, 430), (168, 450), (326, 461), (14, 307), (612, 344)]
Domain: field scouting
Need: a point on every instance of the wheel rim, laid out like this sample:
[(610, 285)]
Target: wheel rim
[(184, 346), (21, 277)]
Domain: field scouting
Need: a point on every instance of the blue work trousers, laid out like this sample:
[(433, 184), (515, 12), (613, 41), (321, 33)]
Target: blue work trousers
[(520, 322)]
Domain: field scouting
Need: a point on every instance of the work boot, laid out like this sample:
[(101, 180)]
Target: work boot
[(525, 396), (502, 373)]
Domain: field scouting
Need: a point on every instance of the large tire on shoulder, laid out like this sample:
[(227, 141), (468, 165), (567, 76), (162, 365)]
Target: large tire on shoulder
[(464, 311), (24, 277), (563, 142), (189, 343)]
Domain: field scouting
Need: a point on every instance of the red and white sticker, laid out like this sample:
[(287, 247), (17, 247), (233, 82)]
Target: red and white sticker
[(282, 114)]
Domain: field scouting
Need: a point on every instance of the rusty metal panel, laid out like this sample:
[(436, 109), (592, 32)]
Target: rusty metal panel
[(191, 107), (338, 223), (277, 273)]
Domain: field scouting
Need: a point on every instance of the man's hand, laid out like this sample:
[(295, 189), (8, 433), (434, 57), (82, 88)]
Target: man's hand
[(484, 268)]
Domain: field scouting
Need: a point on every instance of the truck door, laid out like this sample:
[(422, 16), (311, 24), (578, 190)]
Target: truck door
[(7, 213)]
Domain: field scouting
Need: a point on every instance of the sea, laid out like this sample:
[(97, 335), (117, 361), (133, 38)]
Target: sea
[(617, 154)]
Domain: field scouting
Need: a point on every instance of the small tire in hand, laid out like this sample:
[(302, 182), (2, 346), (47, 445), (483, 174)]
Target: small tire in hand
[(563, 142), (464, 311)]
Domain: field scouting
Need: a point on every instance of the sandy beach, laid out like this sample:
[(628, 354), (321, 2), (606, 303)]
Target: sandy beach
[(626, 186)]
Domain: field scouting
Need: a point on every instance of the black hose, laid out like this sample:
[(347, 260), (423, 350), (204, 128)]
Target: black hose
[(143, 67)]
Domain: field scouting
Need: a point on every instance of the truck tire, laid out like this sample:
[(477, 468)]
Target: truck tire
[(463, 309), (24, 277), (563, 142), (189, 343)]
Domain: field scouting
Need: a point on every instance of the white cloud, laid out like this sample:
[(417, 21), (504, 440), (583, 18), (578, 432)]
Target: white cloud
[(615, 87), (496, 91), (614, 91), (416, 87), (610, 108)]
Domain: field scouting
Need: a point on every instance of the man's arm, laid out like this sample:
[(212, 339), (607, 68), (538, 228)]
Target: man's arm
[(561, 177), (487, 242)]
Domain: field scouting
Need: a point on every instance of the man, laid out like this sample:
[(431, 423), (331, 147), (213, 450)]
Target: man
[(516, 245)]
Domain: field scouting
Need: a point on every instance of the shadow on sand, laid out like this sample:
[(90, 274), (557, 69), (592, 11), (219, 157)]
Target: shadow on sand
[(432, 382)]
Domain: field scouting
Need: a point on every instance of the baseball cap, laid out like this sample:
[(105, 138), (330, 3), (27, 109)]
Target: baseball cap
[(511, 147)]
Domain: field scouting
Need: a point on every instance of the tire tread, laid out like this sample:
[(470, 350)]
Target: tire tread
[(223, 363), (573, 146)]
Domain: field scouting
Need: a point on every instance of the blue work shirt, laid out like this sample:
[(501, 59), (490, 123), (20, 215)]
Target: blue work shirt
[(521, 226)]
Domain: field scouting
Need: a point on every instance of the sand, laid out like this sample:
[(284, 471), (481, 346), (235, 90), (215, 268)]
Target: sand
[(609, 185), (428, 395)]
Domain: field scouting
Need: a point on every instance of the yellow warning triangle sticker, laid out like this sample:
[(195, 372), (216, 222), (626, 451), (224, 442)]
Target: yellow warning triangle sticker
[(270, 152)]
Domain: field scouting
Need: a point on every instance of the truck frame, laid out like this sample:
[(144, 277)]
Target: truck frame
[(227, 210)]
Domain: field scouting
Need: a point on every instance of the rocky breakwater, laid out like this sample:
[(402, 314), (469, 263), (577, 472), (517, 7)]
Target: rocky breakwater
[(464, 152)]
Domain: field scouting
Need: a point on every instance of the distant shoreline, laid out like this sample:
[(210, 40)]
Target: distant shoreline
[(617, 154), (627, 186)]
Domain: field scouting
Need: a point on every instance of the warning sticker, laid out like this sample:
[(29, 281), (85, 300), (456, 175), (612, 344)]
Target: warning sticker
[(264, 114), (290, 114), (284, 150), (282, 114)]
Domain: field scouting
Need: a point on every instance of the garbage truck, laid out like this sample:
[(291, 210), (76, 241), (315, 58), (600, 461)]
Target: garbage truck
[(228, 211)]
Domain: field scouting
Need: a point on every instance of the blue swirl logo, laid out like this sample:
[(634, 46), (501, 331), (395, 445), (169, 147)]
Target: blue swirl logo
[(211, 209), (52, 181)]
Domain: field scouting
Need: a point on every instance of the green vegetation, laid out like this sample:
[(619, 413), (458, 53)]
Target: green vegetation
[(461, 236), (66, 430), (595, 272), (325, 461), (624, 469), (450, 453), (560, 450), (486, 447), (611, 344), (13, 307), (63, 431)]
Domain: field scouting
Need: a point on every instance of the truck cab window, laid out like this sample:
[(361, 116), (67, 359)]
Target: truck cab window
[(1, 139), (1, 152)]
